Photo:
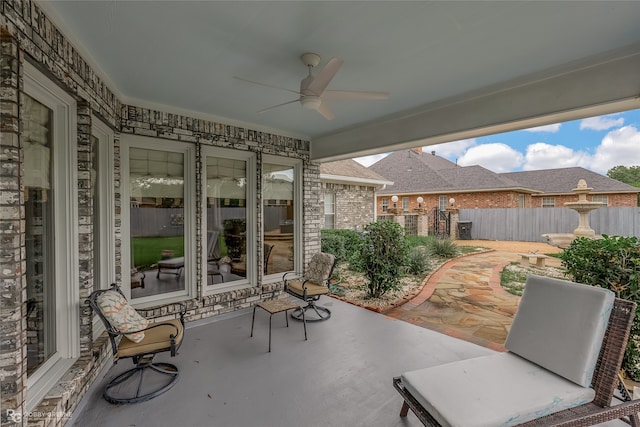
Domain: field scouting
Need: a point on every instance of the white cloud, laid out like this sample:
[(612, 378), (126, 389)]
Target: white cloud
[(618, 147), (450, 150), (369, 160), (546, 156), (497, 157), (546, 128), (601, 122)]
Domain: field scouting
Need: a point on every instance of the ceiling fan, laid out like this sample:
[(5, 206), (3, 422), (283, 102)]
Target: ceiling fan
[(313, 93)]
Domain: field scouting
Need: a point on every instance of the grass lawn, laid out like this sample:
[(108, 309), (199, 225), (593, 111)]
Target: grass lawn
[(148, 250)]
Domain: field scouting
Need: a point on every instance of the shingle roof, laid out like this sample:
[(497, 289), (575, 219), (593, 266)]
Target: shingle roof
[(350, 169), (412, 172), (563, 180)]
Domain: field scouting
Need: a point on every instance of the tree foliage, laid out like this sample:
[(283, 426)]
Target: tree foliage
[(629, 175), (384, 255)]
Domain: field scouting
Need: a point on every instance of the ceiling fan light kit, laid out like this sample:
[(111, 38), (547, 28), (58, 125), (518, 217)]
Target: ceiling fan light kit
[(313, 93)]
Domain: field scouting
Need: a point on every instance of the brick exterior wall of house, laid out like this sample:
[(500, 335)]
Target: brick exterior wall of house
[(353, 205), (28, 35), (503, 199)]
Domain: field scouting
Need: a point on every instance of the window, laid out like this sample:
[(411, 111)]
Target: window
[(521, 200), (229, 179), (442, 203), (50, 194), (385, 204), (405, 204), (548, 202), (282, 216), (159, 220), (103, 220), (602, 199), (329, 210)]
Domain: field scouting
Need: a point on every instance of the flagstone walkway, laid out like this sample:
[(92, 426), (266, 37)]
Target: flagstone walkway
[(464, 299)]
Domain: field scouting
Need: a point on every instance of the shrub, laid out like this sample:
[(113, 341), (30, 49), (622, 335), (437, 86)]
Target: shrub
[(612, 262), (383, 255), (418, 261), (343, 244), (443, 247)]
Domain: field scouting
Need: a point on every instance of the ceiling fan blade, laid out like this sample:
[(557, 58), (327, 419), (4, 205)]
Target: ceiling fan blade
[(276, 106), (325, 111), (353, 94), (323, 78), (266, 85)]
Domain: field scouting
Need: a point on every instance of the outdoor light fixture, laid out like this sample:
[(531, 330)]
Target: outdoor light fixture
[(394, 199), (452, 201), (420, 200)]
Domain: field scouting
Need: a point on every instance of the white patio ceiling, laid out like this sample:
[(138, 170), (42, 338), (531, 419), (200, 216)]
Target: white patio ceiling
[(453, 69)]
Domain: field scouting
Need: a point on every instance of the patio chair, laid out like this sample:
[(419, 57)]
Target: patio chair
[(311, 286), (177, 264), (565, 349), (132, 336)]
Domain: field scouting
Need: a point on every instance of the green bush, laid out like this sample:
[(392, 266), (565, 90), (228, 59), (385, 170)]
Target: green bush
[(418, 261), (612, 262), (444, 248), (344, 245), (383, 255)]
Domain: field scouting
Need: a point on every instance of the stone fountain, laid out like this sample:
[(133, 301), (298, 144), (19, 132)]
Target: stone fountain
[(583, 207)]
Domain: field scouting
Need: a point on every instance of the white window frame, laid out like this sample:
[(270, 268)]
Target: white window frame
[(405, 204), (250, 203), (384, 202), (298, 246), (442, 203), (106, 204), (65, 212), (188, 150), (547, 199), (600, 198), (331, 213)]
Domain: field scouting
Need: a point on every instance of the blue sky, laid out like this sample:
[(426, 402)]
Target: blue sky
[(596, 143)]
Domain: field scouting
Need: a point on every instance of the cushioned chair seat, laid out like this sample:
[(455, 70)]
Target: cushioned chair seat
[(154, 340), (312, 288), (498, 390)]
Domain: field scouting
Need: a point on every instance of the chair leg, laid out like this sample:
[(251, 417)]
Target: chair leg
[(253, 319), (405, 409), (321, 313), (167, 369)]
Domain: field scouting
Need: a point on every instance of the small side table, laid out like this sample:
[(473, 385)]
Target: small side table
[(277, 306)]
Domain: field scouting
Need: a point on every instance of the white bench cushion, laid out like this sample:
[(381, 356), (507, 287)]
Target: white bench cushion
[(497, 390), (560, 326)]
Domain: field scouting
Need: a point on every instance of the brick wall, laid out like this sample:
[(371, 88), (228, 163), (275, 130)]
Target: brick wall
[(353, 205), (28, 35), (498, 199)]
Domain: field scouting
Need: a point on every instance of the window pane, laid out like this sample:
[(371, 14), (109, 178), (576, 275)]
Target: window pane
[(226, 219), (442, 203), (278, 216), (95, 185), (39, 233), (156, 189), (329, 210), (405, 204)]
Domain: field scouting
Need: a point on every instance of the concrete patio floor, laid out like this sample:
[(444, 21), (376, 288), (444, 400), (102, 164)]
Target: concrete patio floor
[(340, 377)]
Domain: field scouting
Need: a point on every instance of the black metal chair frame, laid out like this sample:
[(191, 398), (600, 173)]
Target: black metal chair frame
[(323, 313), (143, 361)]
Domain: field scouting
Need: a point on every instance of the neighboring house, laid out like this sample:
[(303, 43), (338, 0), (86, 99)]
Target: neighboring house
[(348, 194), (438, 181)]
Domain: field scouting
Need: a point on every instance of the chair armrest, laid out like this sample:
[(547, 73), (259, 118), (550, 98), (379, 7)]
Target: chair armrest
[(290, 272)]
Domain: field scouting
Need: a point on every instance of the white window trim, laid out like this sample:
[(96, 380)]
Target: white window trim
[(106, 202), (298, 246), (66, 253), (250, 203), (188, 150)]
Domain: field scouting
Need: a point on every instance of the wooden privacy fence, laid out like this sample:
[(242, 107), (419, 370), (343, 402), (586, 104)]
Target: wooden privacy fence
[(529, 224)]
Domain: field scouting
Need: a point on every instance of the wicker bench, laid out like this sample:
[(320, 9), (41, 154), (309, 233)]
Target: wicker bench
[(540, 259), (561, 368)]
